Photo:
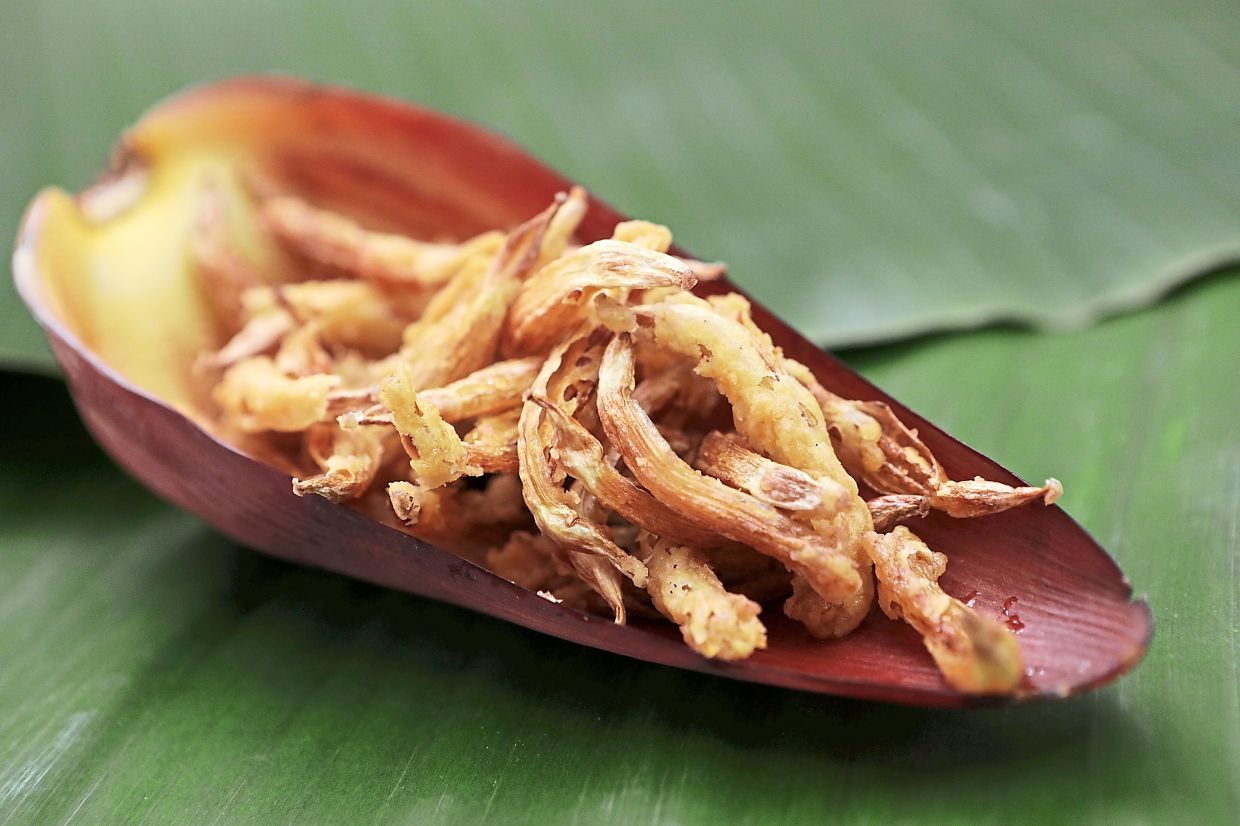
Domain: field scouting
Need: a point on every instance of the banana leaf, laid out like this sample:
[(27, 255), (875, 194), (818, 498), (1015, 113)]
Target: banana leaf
[(869, 170), (150, 671)]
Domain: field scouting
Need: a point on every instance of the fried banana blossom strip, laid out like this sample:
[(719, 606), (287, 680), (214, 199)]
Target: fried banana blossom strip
[(497, 388), (347, 313), (469, 329), (597, 559), (684, 589), (881, 451), (460, 339), (568, 217), (349, 461), (725, 457), (551, 303), (889, 511), (491, 445), (437, 455), (582, 456), (876, 448), (772, 410), (461, 328), (976, 655), (704, 499), (331, 239), (778, 416), (255, 395), (261, 334)]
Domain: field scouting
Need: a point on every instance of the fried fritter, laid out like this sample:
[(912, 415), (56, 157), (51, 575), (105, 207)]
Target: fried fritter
[(641, 450)]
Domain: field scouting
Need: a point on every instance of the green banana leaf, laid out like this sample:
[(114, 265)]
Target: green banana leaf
[(870, 170), (153, 672)]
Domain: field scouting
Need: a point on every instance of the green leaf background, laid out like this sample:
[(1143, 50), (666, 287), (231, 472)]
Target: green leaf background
[(870, 170)]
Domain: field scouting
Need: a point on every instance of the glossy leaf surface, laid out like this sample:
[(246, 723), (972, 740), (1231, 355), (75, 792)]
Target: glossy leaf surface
[(869, 170), (154, 670)]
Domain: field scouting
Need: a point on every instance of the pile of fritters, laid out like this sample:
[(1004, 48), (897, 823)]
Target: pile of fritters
[(578, 421)]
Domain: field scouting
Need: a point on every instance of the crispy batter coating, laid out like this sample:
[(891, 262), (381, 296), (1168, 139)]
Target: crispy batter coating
[(654, 237), (459, 289), (876, 445), (829, 619), (493, 389), (437, 455), (348, 459), (331, 239), (555, 300), (407, 500), (879, 450), (704, 499), (254, 395), (683, 587), (975, 654)]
